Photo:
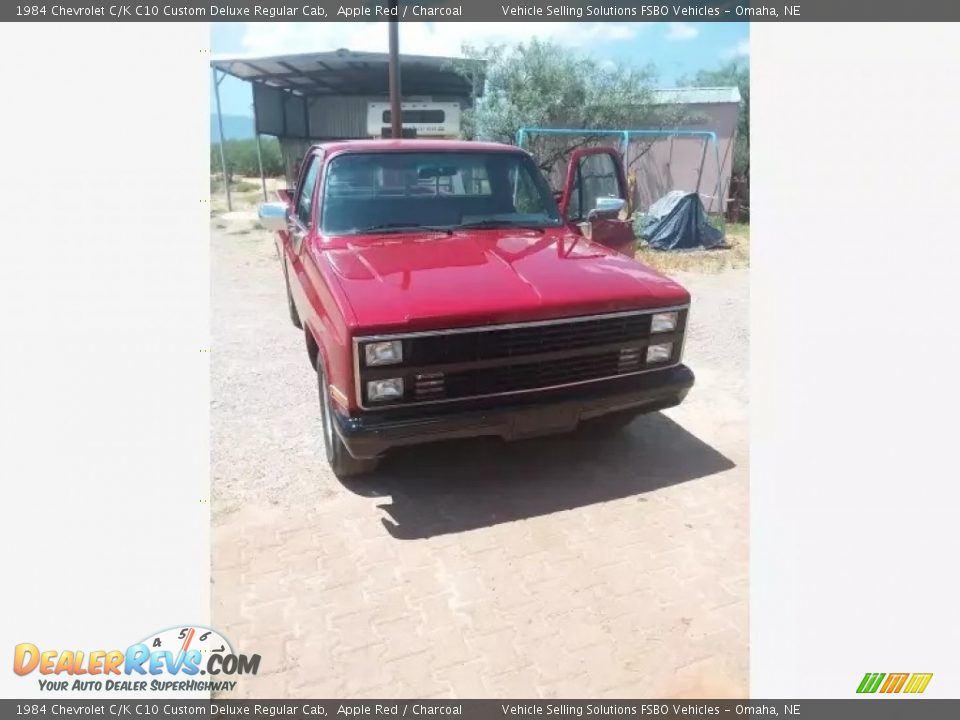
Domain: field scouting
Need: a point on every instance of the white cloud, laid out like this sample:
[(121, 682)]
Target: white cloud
[(740, 50), (443, 39), (682, 31)]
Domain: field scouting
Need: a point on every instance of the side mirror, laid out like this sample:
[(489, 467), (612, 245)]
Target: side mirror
[(273, 215), (607, 208)]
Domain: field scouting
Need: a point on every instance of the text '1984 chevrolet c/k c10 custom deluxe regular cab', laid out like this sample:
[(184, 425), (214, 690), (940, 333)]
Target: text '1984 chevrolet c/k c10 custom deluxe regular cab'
[(445, 291)]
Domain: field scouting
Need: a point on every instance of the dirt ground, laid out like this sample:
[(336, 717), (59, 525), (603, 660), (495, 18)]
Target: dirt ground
[(574, 566)]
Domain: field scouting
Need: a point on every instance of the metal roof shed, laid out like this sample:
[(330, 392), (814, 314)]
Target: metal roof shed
[(697, 95), (673, 164), (323, 95)]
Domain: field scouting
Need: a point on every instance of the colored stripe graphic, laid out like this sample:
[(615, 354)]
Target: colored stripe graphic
[(870, 682), (918, 682), (894, 683)]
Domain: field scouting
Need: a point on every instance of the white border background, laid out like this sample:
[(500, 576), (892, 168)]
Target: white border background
[(854, 356), (104, 320), (104, 315)]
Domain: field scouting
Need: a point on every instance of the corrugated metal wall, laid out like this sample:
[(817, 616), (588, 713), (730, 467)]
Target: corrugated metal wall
[(279, 113), (338, 117)]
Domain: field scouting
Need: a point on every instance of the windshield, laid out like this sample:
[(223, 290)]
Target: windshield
[(380, 192)]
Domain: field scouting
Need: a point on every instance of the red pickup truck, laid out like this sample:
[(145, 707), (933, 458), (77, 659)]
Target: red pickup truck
[(446, 291)]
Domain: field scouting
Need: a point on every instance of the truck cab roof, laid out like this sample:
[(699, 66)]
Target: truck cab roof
[(390, 145)]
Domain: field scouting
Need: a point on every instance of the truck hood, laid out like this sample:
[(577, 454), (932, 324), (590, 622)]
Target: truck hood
[(426, 281)]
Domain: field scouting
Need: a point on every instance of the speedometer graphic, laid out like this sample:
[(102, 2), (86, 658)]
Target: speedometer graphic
[(186, 638)]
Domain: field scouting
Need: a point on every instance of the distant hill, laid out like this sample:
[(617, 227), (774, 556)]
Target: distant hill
[(235, 127)]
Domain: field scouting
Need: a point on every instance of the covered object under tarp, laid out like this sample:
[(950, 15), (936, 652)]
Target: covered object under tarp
[(677, 221)]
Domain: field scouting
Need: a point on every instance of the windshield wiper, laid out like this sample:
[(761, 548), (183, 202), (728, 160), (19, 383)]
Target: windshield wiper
[(499, 224), (403, 227)]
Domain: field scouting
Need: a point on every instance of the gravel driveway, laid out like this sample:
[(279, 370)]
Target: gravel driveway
[(574, 566)]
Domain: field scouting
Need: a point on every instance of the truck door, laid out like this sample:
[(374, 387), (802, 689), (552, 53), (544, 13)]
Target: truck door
[(594, 197), (302, 216), (299, 223)]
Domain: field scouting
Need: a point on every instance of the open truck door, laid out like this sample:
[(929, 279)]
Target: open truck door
[(594, 197)]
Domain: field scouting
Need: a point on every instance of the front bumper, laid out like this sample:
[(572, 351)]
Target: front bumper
[(512, 417)]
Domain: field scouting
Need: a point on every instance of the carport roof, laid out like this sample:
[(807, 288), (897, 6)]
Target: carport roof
[(345, 72)]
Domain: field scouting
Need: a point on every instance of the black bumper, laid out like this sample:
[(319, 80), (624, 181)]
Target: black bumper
[(512, 417)]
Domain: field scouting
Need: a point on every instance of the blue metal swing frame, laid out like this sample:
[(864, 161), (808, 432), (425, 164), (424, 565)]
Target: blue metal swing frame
[(626, 135)]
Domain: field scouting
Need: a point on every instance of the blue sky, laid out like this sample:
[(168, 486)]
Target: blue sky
[(677, 49)]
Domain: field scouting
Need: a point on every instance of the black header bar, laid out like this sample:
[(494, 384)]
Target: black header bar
[(482, 10)]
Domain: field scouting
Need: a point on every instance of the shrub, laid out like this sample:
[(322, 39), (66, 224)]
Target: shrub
[(241, 157)]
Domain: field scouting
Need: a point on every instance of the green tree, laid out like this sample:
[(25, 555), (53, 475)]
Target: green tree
[(241, 156), (735, 72), (542, 84)]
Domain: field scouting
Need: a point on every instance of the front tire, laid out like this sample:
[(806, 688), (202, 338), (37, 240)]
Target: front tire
[(342, 463)]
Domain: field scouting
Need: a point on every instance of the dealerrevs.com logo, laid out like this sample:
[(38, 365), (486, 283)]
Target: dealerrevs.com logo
[(183, 659)]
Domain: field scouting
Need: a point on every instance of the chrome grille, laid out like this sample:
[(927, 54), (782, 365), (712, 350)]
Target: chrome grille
[(630, 360), (500, 360), (429, 386), (525, 340)]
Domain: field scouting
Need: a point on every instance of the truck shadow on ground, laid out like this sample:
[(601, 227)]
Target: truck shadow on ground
[(467, 484)]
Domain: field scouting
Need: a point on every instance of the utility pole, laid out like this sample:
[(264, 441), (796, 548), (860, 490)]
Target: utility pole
[(396, 119)]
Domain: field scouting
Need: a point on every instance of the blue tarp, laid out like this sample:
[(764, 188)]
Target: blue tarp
[(677, 221)]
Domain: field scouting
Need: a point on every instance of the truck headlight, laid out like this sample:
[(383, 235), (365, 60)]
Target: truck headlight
[(663, 322), (389, 352), (659, 353), (389, 389)]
